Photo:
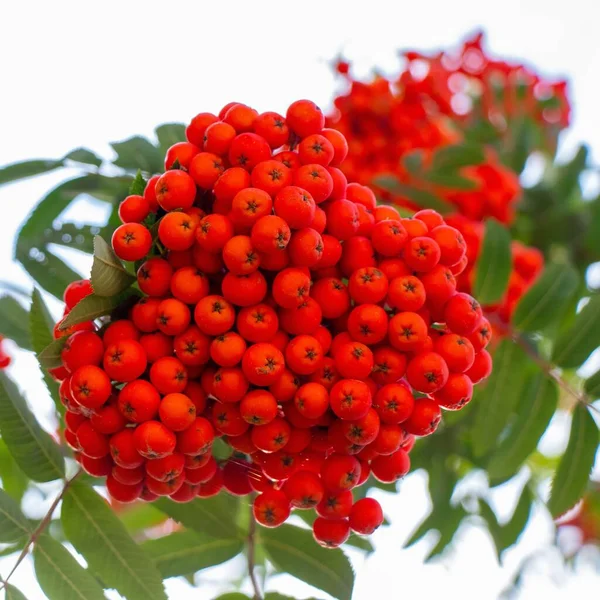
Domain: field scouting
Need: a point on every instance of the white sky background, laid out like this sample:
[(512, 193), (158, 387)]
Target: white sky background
[(72, 75)]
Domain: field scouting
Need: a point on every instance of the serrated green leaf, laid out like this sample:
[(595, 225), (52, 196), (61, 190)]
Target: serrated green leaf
[(456, 156), (572, 475), (41, 324), (502, 393), (85, 156), (109, 276), (29, 168), (89, 308), (137, 153), (169, 134), (417, 196), (60, 575), (510, 532), (12, 593), (13, 322), (535, 410), (547, 299), (50, 356), (215, 516), (592, 385), (293, 550), (494, 264), (186, 552), (573, 347), (32, 448), (98, 535), (13, 524), (138, 185)]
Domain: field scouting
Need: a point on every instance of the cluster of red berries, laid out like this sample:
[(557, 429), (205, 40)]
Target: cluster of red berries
[(313, 331), (433, 103)]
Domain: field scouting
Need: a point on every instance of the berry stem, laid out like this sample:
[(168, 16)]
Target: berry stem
[(40, 528), (551, 370), (251, 556)]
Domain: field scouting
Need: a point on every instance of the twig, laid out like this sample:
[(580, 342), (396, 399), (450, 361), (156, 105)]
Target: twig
[(547, 367), (40, 528), (251, 557)]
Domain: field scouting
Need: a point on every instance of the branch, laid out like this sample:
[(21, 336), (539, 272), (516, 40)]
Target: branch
[(40, 528), (551, 371), (251, 557)]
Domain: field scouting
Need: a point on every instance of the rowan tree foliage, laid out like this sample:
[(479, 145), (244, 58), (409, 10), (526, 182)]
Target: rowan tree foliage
[(456, 131)]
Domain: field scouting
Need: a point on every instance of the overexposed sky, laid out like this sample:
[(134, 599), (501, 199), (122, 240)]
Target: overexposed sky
[(86, 73)]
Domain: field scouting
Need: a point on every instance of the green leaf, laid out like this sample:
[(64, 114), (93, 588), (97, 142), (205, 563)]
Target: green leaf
[(96, 533), (50, 357), (109, 276), (211, 516), (574, 346), (138, 153), (494, 264), (138, 185), (536, 409), (547, 299), (451, 180), (186, 552), (430, 522), (60, 575), (510, 532), (141, 516), (32, 448), (41, 325), (14, 481), (13, 322), (169, 134), (12, 593), (48, 271), (13, 524), (278, 596), (89, 308), (233, 596), (461, 155), (447, 528), (592, 385), (501, 394), (413, 161), (571, 478), (41, 322), (419, 197), (83, 155), (71, 235), (29, 168), (293, 550), (567, 175)]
